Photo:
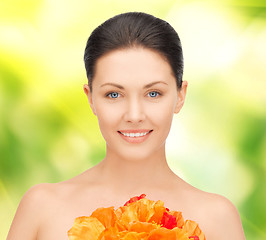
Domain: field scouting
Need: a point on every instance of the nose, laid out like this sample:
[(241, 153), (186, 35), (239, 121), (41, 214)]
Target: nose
[(134, 111)]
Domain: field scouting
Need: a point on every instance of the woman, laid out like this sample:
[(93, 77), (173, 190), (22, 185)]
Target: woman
[(134, 65)]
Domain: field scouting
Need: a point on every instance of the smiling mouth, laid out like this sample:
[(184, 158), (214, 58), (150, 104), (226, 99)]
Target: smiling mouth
[(135, 134)]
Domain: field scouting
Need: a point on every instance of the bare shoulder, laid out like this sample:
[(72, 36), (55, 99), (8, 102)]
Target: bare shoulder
[(30, 212), (46, 201), (216, 215), (223, 219), (39, 194)]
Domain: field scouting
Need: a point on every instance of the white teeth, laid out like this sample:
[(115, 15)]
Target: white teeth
[(134, 134)]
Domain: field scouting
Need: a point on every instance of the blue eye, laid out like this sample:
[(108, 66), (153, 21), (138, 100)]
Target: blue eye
[(113, 95), (153, 94)]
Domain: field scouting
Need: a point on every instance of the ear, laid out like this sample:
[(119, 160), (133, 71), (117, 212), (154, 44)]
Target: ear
[(181, 97), (88, 93)]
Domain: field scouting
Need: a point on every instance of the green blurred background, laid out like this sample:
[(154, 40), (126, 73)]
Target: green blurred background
[(49, 134)]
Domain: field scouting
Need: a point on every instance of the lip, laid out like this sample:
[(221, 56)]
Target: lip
[(135, 139), (135, 130)]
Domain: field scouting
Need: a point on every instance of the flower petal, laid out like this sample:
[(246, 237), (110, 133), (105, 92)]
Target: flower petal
[(85, 228), (135, 236), (142, 210), (142, 227), (179, 218), (157, 213), (163, 234), (134, 199), (109, 234), (106, 216), (168, 221), (192, 228)]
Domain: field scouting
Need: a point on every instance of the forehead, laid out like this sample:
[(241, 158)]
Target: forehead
[(132, 66)]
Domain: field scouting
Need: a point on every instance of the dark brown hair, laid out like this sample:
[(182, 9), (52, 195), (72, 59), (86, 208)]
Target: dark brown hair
[(134, 29)]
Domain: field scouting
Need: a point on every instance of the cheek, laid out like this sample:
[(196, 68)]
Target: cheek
[(162, 112), (165, 118), (161, 115), (108, 115)]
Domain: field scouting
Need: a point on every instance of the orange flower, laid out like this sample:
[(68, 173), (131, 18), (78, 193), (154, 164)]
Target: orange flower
[(106, 216), (193, 230), (85, 228), (139, 219)]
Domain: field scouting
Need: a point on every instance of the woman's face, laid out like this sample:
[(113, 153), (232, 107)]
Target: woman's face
[(134, 96)]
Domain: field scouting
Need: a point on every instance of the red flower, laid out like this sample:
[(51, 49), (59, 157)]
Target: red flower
[(168, 221), (194, 237), (134, 199)]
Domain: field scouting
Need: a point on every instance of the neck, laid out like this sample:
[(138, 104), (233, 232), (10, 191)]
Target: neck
[(126, 174)]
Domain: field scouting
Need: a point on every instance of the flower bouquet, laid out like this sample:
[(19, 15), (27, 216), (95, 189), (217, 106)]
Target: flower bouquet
[(139, 219)]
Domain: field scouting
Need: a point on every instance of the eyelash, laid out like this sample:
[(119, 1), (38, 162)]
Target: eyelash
[(108, 95), (157, 92)]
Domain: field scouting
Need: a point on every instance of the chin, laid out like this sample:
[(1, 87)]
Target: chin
[(137, 154)]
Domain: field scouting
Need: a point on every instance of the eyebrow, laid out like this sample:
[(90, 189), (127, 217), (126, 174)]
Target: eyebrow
[(121, 87)]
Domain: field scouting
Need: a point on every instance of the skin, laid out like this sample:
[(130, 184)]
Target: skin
[(47, 211)]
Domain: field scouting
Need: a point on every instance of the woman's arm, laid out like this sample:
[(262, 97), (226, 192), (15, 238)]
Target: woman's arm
[(27, 218)]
